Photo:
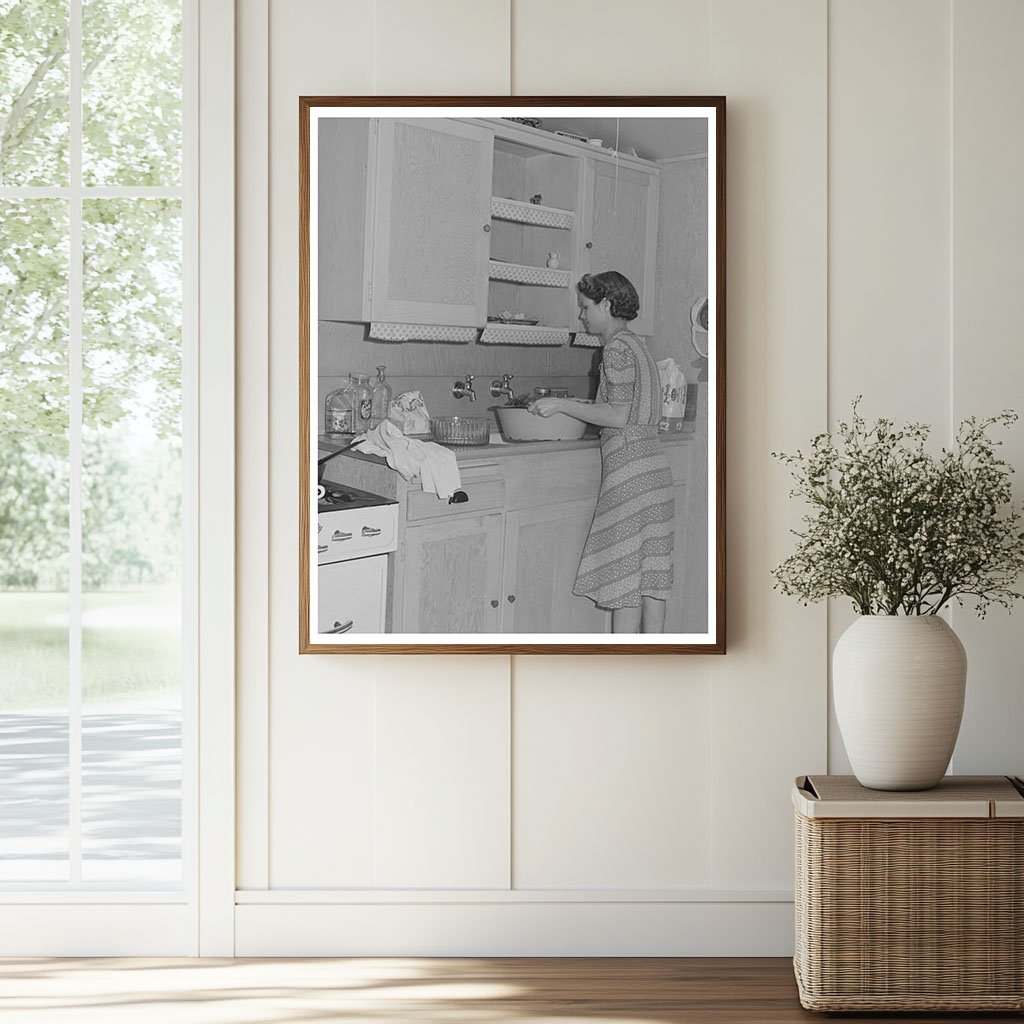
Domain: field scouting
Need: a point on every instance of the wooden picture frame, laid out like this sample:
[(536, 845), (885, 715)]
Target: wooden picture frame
[(443, 237)]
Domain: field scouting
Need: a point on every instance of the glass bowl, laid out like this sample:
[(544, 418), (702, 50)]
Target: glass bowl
[(465, 430)]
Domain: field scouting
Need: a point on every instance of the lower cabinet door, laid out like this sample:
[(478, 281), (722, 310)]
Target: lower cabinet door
[(542, 553), (451, 578), (352, 595)]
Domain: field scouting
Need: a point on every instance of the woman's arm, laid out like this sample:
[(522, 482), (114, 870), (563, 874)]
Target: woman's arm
[(600, 414)]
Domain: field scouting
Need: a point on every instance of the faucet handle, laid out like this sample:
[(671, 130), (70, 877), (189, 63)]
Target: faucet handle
[(502, 387)]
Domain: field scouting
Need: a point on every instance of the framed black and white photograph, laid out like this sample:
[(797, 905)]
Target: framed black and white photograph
[(512, 382)]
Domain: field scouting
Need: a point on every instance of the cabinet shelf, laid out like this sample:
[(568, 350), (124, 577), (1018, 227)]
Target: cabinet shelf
[(520, 273), (531, 213)]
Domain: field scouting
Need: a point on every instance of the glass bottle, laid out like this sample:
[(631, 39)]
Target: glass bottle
[(380, 404), (361, 397), (338, 418)]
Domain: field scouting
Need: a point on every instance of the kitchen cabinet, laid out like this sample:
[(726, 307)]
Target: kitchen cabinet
[(536, 196), (343, 589), (404, 220), (518, 534), (444, 222), (505, 559), (451, 576), (542, 553), (620, 229)]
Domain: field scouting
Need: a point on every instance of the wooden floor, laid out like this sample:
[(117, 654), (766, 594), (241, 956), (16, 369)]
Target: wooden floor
[(382, 991)]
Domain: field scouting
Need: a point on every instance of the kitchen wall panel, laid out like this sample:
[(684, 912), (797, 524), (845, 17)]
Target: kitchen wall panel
[(441, 48), (324, 780), (305, 39), (987, 369), (854, 264), (612, 779), (320, 715), (889, 244), (442, 775), (432, 368), (581, 47), (768, 693)]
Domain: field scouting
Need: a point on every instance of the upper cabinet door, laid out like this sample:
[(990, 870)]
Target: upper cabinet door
[(431, 217), (621, 229)]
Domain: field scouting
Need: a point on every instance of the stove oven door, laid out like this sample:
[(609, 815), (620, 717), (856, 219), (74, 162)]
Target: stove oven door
[(352, 595)]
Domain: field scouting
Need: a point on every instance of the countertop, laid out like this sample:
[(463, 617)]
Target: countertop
[(505, 449)]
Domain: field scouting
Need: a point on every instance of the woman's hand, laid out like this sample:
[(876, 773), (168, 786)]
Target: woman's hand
[(546, 407)]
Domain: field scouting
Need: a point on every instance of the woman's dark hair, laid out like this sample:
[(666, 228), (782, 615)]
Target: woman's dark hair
[(617, 288)]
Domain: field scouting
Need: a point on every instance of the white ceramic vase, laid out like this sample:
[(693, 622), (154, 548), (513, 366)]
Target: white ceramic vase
[(898, 685)]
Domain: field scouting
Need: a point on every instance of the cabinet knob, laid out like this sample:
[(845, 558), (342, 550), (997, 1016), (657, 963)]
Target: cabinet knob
[(487, 228), (494, 603), (589, 245), (511, 598)]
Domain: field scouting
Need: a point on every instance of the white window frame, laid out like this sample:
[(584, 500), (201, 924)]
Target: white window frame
[(197, 918)]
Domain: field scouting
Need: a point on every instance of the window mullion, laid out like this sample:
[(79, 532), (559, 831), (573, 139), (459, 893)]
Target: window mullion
[(75, 334)]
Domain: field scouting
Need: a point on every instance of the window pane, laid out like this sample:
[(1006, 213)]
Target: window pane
[(34, 485), (131, 92), (131, 541), (33, 92)]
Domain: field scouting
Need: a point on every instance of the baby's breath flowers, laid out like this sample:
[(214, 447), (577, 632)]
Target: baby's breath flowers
[(899, 530)]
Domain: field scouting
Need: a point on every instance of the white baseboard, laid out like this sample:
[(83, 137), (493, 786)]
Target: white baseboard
[(605, 928), (96, 929)]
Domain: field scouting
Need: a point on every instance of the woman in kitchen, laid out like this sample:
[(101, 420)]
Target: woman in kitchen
[(626, 564)]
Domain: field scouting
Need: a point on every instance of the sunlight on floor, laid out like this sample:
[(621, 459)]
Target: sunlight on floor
[(217, 991)]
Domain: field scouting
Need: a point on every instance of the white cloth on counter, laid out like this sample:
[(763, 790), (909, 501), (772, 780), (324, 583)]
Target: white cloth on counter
[(435, 466)]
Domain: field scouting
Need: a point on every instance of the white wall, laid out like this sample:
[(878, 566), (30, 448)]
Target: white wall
[(556, 805)]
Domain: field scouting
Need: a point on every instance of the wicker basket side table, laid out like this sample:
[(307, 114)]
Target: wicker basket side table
[(910, 901)]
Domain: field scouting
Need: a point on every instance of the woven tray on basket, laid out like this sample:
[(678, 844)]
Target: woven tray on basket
[(909, 901)]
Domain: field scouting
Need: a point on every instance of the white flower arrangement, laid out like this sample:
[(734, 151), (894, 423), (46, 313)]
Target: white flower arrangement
[(899, 530)]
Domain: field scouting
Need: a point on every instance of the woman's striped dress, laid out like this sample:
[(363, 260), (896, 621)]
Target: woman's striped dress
[(628, 553)]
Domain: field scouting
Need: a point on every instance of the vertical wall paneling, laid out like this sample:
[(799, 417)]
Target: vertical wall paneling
[(581, 47), (324, 760), (442, 787), (442, 48), (312, 700), (987, 367), (888, 223), (769, 692), (871, 248), (441, 798), (610, 775), (252, 460), (888, 215)]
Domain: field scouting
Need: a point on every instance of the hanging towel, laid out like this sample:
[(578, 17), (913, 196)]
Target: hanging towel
[(435, 466)]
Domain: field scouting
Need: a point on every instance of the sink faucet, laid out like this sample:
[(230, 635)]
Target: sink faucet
[(503, 387), (464, 388)]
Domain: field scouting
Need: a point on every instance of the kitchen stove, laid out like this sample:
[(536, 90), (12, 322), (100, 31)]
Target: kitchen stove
[(340, 496), (356, 530)]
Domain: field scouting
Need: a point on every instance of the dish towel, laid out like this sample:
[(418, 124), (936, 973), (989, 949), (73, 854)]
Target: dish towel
[(435, 466)]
